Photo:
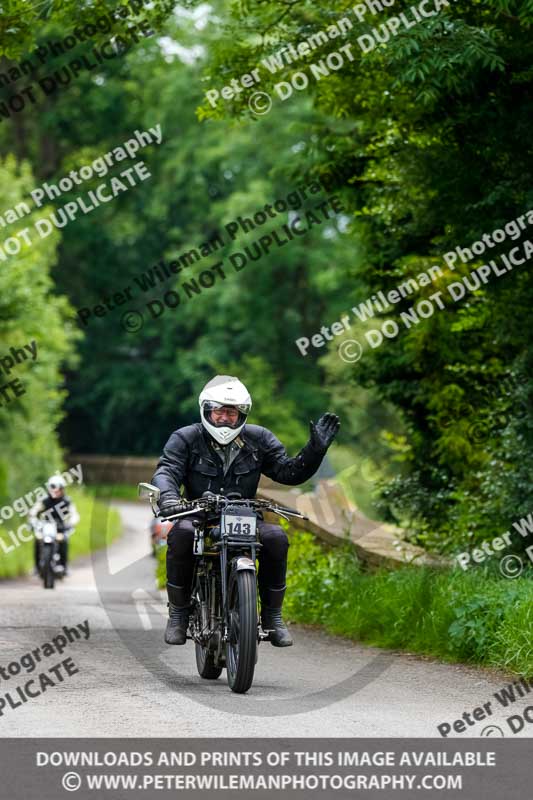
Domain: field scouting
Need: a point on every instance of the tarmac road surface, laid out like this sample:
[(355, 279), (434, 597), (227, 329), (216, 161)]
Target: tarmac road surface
[(129, 683)]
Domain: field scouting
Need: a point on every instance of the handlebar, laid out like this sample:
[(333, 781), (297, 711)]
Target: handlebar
[(218, 502)]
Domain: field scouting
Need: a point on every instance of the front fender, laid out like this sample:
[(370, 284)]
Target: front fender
[(242, 562)]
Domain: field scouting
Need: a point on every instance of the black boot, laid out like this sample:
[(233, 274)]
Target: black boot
[(178, 615), (271, 620)]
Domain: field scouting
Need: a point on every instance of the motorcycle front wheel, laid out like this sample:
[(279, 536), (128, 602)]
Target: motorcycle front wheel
[(241, 647)]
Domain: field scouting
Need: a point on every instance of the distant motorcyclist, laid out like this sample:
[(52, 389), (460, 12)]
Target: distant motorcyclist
[(222, 455), (57, 507)]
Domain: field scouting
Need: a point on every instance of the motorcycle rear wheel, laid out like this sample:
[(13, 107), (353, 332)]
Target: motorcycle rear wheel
[(206, 665), (205, 658), (241, 647)]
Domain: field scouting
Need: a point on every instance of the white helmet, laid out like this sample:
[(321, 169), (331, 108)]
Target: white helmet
[(223, 390), (55, 485)]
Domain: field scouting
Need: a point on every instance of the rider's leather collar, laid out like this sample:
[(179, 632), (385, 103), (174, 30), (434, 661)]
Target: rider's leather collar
[(246, 449)]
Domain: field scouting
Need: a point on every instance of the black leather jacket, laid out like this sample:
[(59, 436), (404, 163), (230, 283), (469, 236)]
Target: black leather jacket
[(59, 509), (190, 460)]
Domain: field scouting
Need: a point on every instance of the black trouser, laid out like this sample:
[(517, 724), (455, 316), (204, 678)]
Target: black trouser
[(62, 549), (272, 561)]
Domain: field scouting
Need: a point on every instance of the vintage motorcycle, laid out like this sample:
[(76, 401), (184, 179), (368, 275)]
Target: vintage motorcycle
[(48, 537), (224, 621)]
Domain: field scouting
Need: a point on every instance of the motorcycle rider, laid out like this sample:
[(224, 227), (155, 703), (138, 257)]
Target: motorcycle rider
[(223, 454), (56, 507)]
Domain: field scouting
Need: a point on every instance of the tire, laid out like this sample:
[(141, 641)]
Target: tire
[(205, 664), (47, 571), (204, 657), (241, 648)]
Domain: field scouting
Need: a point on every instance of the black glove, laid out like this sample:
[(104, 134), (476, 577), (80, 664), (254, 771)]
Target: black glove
[(170, 506), (325, 430)]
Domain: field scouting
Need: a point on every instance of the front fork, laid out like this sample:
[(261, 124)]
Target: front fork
[(44, 547), (237, 563), (215, 622)]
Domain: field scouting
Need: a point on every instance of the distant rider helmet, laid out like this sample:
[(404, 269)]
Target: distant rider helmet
[(55, 485)]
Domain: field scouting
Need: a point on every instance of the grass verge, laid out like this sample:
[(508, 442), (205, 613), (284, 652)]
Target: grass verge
[(118, 491), (98, 526), (161, 567), (471, 617)]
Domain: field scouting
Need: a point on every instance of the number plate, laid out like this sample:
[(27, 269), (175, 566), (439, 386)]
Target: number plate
[(235, 526)]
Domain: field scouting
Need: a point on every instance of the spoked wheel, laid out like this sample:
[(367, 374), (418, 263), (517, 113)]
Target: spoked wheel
[(47, 570), (205, 658), (205, 663), (241, 647)]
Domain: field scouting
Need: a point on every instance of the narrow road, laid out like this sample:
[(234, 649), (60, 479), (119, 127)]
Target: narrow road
[(129, 683)]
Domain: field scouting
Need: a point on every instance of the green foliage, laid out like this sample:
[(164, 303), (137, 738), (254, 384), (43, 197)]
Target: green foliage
[(203, 177), (457, 616), (161, 567), (435, 132), (426, 141), (99, 525), (31, 309), (23, 22), (272, 412), (116, 491), (470, 617)]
